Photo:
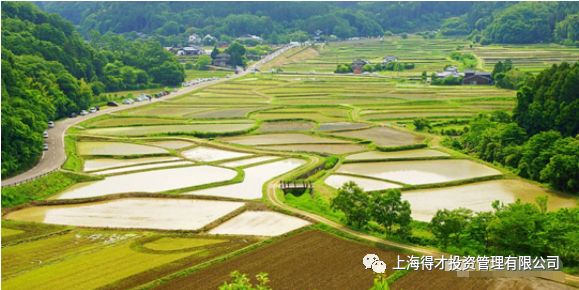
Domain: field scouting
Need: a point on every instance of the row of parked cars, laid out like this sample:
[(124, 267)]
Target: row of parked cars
[(143, 97), (85, 112), (198, 81)]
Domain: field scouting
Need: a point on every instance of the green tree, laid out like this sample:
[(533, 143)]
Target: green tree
[(203, 62), (447, 225), (421, 124), (214, 52), (388, 210), (236, 52), (354, 203)]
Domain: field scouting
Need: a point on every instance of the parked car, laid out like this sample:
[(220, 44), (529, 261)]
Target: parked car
[(45, 134), (98, 108), (83, 113), (45, 147), (128, 101), (92, 110), (112, 104), (73, 115), (50, 124)]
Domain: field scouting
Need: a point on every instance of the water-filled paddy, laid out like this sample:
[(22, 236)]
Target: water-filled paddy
[(150, 181), (270, 139), (420, 172), (255, 177), (143, 213), (396, 154), (172, 144), (249, 161), (223, 113), (259, 223), (116, 148), (286, 126), (383, 136), (341, 126), (318, 148), (165, 111), (337, 180), (209, 154), (166, 129), (143, 167), (106, 163), (478, 197), (114, 122)]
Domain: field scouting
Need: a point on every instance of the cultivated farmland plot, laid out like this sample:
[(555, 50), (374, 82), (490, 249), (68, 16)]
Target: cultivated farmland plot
[(117, 148), (259, 223), (132, 213), (106, 163)]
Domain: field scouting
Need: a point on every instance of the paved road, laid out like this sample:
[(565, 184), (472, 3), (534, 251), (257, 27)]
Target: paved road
[(55, 156)]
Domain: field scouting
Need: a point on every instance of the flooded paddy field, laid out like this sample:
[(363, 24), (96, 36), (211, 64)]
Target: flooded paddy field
[(107, 163), (367, 184), (479, 197), (259, 223), (249, 161), (115, 122), (209, 154), (223, 113), (271, 139), (286, 126), (172, 144), (420, 172), (165, 111), (383, 136), (319, 257), (252, 184), (342, 126), (168, 129), (150, 181), (131, 213), (143, 167), (317, 148), (116, 148), (418, 153)]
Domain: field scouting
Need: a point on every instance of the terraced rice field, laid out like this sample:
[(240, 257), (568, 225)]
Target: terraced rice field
[(116, 148), (107, 163), (169, 129), (342, 126), (209, 154), (478, 197), (420, 172), (271, 139), (249, 161), (132, 213), (383, 136), (418, 153), (172, 144), (114, 122), (317, 148), (367, 184), (259, 223), (286, 126), (143, 167), (150, 181), (255, 177)]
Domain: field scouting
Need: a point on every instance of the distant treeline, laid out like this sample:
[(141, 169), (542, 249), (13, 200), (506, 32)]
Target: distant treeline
[(277, 22), (50, 71)]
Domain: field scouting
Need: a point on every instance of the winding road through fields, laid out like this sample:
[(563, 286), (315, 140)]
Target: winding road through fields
[(55, 156)]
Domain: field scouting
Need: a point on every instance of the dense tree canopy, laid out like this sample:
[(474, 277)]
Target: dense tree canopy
[(49, 71)]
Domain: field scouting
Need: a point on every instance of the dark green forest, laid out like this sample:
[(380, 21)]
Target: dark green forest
[(540, 140), (280, 22), (50, 71)]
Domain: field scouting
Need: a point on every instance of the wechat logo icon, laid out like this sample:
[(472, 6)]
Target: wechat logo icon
[(372, 261)]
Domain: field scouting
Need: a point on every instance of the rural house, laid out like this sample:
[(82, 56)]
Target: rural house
[(389, 59), (191, 50), (451, 71), (477, 78), (221, 59), (358, 65)]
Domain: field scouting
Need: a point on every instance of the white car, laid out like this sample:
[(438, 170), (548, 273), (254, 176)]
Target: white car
[(92, 110), (50, 124), (45, 134), (45, 147), (83, 113), (128, 101)]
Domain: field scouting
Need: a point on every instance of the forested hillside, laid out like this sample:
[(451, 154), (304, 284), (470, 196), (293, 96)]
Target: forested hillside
[(172, 22), (49, 71), (541, 140)]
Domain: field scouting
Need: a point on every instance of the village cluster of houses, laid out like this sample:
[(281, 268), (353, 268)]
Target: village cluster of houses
[(470, 77), (358, 64)]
